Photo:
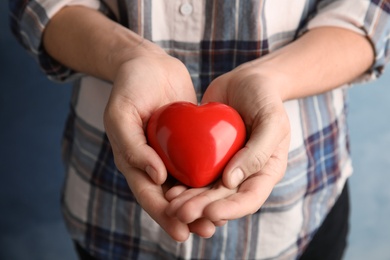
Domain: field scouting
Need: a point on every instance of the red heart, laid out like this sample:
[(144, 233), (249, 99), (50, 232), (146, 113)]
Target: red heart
[(196, 142)]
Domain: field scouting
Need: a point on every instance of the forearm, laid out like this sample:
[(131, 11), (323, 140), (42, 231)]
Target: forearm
[(322, 59), (89, 42)]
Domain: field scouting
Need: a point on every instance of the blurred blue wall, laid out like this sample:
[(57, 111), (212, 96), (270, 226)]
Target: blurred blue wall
[(370, 185), (32, 114)]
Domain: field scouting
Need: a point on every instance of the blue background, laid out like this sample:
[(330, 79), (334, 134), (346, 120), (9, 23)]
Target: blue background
[(32, 115)]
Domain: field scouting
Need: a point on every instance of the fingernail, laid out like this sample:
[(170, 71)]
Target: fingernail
[(151, 172), (237, 177)]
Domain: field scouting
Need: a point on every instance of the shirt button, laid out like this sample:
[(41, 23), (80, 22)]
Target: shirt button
[(186, 9)]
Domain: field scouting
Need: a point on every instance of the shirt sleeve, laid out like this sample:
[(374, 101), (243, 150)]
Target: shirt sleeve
[(28, 21), (368, 18)]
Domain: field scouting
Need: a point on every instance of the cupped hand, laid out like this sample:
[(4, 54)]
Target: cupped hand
[(251, 174), (142, 84)]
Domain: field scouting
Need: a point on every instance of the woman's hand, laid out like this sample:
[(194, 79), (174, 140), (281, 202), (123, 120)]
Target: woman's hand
[(142, 85), (251, 174), (307, 66)]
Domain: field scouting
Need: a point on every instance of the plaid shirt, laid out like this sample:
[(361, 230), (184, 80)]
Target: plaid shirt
[(211, 38)]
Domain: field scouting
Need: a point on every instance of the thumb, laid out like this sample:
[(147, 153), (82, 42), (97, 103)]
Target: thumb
[(266, 141), (129, 145), (142, 157), (244, 163)]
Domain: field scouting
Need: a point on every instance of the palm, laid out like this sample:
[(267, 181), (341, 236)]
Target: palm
[(141, 86), (263, 159)]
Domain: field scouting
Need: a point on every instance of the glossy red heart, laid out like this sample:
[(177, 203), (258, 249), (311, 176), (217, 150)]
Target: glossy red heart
[(196, 142)]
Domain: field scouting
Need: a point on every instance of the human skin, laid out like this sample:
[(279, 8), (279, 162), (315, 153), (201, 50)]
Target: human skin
[(145, 78)]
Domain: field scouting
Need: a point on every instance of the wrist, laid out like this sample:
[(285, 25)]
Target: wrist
[(268, 75), (127, 46)]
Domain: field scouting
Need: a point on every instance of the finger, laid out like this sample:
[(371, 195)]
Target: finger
[(253, 192), (220, 223), (181, 199), (175, 191), (125, 132), (247, 201), (202, 227), (266, 135), (151, 198), (192, 209)]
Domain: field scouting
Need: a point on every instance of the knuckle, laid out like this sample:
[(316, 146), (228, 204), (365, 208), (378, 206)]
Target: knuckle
[(257, 161), (125, 160), (130, 158)]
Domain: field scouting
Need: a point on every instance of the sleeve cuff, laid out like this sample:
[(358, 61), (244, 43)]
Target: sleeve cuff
[(33, 21), (363, 17)]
